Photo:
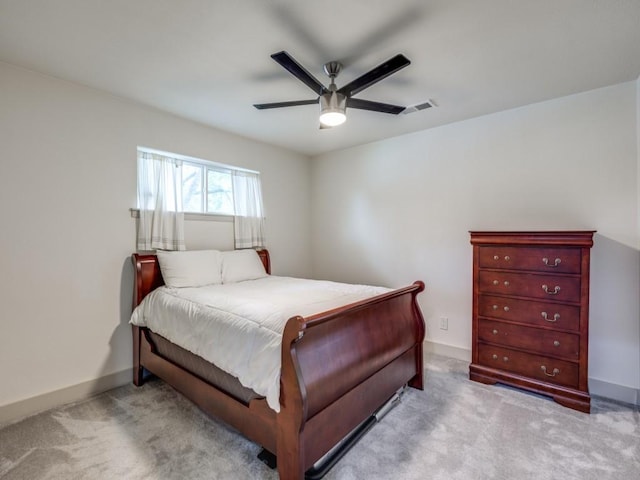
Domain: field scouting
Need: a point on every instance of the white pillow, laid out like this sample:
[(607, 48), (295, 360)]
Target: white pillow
[(240, 265), (190, 268)]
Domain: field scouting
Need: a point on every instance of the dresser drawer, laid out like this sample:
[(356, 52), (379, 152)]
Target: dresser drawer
[(546, 342), (548, 287), (542, 368), (552, 260), (566, 317)]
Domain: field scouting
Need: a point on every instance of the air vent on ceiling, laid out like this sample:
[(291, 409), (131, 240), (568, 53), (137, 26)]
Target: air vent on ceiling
[(422, 106)]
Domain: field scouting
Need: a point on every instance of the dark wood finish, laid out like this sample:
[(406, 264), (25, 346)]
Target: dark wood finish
[(529, 365), (545, 341), (541, 314), (514, 258), (531, 312), (529, 285), (338, 367)]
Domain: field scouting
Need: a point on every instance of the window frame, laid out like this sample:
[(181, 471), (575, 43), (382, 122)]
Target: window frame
[(205, 165)]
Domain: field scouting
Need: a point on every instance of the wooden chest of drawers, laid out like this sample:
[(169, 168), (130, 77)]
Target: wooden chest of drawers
[(531, 312)]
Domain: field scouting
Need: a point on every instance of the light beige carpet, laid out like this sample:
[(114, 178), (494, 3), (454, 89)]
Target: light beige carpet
[(455, 429)]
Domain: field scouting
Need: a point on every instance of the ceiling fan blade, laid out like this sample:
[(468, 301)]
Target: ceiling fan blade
[(298, 71), (389, 67), (295, 103), (374, 106)]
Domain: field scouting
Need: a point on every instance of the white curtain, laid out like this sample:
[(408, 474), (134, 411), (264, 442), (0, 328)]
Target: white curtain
[(249, 213), (161, 222)]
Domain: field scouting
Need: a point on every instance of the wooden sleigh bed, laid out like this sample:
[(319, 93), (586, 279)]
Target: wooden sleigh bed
[(337, 369)]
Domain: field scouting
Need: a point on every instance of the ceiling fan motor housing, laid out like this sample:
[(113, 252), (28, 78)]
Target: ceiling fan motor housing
[(332, 69)]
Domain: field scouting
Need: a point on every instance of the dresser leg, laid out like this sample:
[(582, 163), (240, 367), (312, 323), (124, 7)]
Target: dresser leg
[(478, 377), (582, 404)]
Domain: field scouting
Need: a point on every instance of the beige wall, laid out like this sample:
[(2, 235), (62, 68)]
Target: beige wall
[(67, 181), (398, 210)]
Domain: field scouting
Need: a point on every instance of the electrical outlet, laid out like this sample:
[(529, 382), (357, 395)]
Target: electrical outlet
[(444, 323)]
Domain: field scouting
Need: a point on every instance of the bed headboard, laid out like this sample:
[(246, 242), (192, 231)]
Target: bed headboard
[(148, 276)]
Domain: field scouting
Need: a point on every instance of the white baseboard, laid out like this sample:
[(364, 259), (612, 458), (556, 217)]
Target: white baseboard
[(600, 388), (24, 408), (448, 351), (620, 393)]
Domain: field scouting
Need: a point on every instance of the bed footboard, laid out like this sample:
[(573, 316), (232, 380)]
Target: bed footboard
[(339, 367)]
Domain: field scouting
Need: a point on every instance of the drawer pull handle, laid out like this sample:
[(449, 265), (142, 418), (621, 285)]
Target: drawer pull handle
[(506, 309), (556, 290), (495, 332), (506, 283), (496, 257), (495, 357), (556, 317), (495, 307), (556, 262), (556, 343), (496, 282), (507, 258), (553, 374), (506, 359)]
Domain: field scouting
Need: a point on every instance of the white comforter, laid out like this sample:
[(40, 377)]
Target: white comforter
[(239, 326)]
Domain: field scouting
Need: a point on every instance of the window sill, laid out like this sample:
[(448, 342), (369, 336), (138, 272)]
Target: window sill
[(207, 217)]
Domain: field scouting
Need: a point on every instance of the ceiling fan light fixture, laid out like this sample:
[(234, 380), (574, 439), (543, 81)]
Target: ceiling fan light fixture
[(333, 106), (333, 101)]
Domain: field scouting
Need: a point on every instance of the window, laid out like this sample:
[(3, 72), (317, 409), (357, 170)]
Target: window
[(207, 187), (170, 185)]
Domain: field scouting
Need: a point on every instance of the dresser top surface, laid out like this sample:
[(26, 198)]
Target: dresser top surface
[(577, 238)]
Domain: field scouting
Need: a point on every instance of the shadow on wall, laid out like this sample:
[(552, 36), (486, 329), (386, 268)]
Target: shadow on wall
[(120, 342), (127, 278), (614, 324), (117, 367)]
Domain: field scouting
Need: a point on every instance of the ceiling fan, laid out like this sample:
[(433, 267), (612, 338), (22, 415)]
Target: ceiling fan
[(333, 100)]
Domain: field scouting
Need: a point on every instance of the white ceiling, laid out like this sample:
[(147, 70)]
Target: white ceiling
[(209, 60)]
